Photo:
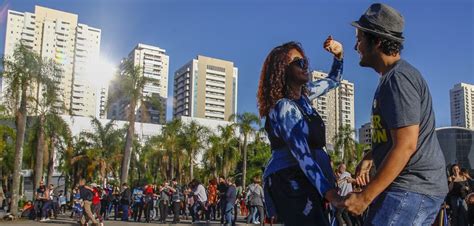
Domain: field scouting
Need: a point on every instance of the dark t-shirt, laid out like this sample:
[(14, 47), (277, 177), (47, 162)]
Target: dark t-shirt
[(403, 99), (86, 194), (222, 187), (126, 197)]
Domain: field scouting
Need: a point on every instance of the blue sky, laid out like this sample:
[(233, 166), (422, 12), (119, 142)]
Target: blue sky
[(439, 37)]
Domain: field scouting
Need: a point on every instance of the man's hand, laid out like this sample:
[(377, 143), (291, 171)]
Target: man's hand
[(356, 203), (333, 47), (363, 170)]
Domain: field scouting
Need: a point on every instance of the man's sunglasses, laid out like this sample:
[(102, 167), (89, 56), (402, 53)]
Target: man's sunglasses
[(300, 62)]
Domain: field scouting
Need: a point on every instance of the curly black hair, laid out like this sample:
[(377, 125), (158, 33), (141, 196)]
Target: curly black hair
[(273, 77), (388, 46)]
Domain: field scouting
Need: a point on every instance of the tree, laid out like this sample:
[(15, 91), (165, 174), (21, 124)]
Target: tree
[(230, 148), (155, 157), (103, 148), (59, 138), (193, 136), (212, 158), (47, 106), (245, 122), (130, 88), (171, 142), (19, 72), (344, 144), (260, 153), (7, 135)]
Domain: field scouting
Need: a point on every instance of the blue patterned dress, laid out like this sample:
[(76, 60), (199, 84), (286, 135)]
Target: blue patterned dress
[(291, 141)]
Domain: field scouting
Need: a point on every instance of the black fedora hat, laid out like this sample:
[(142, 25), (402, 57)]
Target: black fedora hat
[(382, 20)]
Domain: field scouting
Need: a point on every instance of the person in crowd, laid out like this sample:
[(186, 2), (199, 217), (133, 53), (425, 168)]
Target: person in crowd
[(62, 202), (39, 199), (116, 201), (137, 205), (458, 190), (255, 197), (344, 183), (165, 199), (125, 201), (77, 209), (230, 199), (28, 210), (96, 202), (156, 203), (222, 188), (212, 198), (47, 203), (200, 200), (177, 199), (87, 194), (148, 201), (239, 194), (189, 202)]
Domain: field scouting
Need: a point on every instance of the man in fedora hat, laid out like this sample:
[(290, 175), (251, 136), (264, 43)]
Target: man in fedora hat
[(410, 183)]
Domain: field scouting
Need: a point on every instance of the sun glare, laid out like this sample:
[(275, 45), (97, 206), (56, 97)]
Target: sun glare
[(100, 72)]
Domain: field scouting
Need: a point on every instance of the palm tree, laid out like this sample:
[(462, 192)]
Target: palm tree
[(344, 143), (244, 122), (193, 136), (259, 154), (59, 137), (155, 157), (104, 145), (230, 148), (130, 88), (47, 106), (213, 156), (171, 142), (20, 71), (7, 135)]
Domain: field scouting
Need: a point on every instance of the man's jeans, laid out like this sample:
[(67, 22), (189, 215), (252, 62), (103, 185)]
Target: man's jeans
[(229, 211), (398, 207), (46, 207), (124, 212)]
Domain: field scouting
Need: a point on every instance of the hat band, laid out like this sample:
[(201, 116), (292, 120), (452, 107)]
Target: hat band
[(367, 24)]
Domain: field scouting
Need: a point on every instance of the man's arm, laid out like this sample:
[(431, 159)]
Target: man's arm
[(405, 141)]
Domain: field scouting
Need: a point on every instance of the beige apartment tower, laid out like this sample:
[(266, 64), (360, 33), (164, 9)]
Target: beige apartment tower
[(336, 107), (206, 88), (58, 35)]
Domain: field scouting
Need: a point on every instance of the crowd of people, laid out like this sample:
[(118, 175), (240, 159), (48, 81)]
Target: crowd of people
[(219, 200)]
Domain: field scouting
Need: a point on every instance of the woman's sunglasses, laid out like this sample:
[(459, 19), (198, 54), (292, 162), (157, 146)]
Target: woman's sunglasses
[(300, 62)]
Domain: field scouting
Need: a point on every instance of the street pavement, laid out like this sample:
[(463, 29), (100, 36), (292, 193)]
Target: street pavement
[(66, 221)]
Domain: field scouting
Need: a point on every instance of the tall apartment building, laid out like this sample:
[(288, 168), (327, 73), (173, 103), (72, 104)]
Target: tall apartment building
[(365, 134), (154, 64), (206, 88), (462, 105), (58, 35), (336, 107)]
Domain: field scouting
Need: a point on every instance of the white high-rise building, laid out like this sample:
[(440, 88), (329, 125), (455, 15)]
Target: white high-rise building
[(206, 88), (336, 107), (462, 105), (154, 64), (57, 35)]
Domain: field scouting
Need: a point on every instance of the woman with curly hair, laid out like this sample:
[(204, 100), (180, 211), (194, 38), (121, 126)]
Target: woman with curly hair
[(298, 177)]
